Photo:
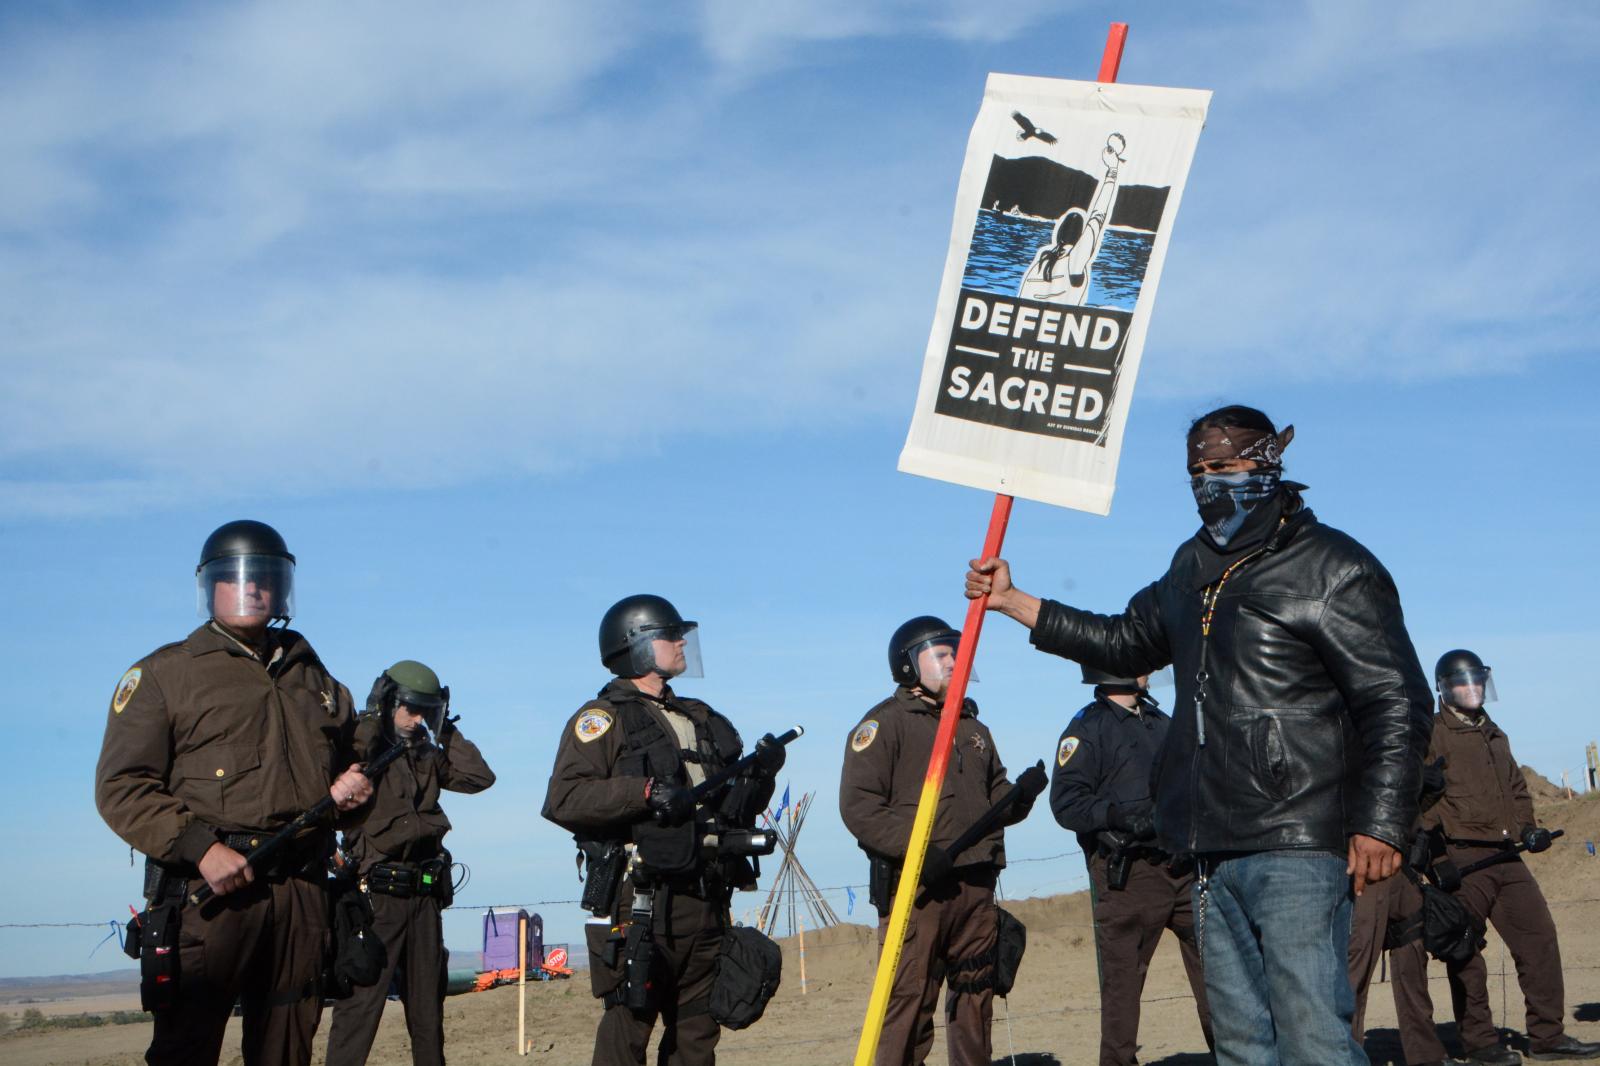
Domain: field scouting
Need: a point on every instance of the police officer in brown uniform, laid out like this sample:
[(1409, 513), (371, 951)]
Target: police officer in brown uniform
[(953, 924), (659, 880), (1101, 791), (212, 744), (1388, 917), (400, 860), (1486, 810)]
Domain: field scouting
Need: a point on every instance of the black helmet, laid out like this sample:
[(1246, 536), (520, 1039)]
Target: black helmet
[(1463, 681), (632, 625), (243, 536), (1455, 661), (909, 640), (254, 562), (1091, 676)]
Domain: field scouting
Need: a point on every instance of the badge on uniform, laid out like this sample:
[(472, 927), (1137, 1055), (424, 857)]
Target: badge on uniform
[(591, 724), (864, 735), (977, 742), (1063, 753), (125, 689)]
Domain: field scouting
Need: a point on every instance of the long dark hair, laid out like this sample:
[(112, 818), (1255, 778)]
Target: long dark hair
[(1051, 255)]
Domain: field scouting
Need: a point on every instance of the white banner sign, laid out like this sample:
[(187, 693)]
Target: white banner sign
[(1066, 204)]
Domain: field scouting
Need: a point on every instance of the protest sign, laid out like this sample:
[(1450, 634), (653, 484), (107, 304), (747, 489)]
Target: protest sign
[(1067, 200)]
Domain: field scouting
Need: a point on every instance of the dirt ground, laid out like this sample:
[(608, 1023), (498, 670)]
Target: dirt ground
[(1052, 1017)]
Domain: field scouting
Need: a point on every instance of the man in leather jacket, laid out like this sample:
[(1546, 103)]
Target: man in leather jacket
[(622, 784), (1294, 758)]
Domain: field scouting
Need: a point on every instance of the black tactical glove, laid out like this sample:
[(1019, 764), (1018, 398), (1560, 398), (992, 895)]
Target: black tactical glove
[(770, 755), (1032, 782), (671, 804), (1433, 783), (1536, 838), (1136, 819), (936, 867)]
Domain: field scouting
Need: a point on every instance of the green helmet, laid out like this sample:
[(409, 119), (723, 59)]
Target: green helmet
[(415, 685)]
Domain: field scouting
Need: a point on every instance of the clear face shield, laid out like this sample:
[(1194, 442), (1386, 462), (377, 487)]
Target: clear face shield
[(667, 650), (246, 591), (936, 664), (414, 714), (1467, 690)]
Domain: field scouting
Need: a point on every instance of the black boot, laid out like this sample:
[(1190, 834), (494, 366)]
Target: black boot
[(1494, 1055), (1567, 1048)]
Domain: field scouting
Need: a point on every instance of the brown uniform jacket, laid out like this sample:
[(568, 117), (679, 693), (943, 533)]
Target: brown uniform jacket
[(405, 822), (203, 736), (586, 795), (1486, 796), (885, 763)]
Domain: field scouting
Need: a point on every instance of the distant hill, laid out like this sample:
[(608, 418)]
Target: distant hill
[(1042, 187)]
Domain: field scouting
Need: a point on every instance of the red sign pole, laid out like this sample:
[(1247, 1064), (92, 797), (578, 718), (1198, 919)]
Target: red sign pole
[(944, 738)]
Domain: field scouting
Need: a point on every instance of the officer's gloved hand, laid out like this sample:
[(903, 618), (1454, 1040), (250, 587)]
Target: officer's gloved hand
[(1136, 819), (1032, 781), (770, 755), (1433, 783), (1536, 838), (671, 804), (936, 867)]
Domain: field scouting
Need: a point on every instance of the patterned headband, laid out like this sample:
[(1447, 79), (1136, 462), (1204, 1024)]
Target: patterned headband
[(1237, 442)]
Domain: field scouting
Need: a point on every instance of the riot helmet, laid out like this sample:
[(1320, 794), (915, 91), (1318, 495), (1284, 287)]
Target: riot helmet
[(246, 575), (1462, 680), (645, 634), (1102, 679), (922, 653), (414, 686)]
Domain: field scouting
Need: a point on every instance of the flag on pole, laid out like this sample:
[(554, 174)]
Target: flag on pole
[(783, 806)]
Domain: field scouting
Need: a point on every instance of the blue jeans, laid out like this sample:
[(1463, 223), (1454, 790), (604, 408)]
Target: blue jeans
[(1274, 938)]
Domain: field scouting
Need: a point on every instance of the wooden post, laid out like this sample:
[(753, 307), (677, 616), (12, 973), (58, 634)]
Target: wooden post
[(522, 985)]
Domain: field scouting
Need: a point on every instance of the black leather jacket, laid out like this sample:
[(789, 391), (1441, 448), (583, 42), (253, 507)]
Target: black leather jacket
[(1316, 711)]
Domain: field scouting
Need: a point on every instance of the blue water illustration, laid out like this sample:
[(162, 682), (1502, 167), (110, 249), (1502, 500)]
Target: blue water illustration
[(1003, 245)]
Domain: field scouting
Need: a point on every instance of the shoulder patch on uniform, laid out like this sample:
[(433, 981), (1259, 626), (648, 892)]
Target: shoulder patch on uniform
[(125, 689), (1064, 752), (591, 724), (864, 735)]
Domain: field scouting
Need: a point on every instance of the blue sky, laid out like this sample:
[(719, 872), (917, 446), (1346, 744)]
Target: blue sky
[(499, 316)]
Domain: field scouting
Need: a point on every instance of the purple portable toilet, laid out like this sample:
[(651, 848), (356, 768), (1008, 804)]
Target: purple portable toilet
[(500, 938)]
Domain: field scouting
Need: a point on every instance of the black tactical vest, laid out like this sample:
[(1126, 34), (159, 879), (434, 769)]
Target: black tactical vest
[(651, 750)]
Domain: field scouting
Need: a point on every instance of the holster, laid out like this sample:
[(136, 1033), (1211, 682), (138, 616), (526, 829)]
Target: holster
[(1117, 848), (607, 860), (436, 880), (155, 932), (883, 878)]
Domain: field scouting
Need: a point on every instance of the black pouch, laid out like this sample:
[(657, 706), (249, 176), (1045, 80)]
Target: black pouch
[(1449, 931), (158, 955), (435, 880), (356, 956), (748, 971), (394, 879), (1011, 940)]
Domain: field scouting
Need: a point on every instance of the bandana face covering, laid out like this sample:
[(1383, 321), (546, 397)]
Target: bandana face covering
[(1226, 500)]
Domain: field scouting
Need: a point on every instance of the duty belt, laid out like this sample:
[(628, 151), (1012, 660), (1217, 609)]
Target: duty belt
[(305, 858)]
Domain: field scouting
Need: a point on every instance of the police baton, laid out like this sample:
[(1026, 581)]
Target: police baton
[(733, 770), (1505, 856), (263, 852), (1026, 789)]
